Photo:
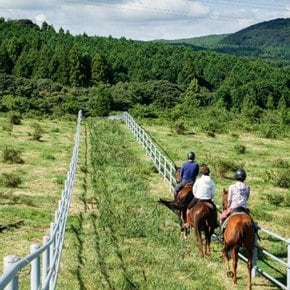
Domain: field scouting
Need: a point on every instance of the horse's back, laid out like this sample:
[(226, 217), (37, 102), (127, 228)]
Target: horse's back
[(204, 210), (240, 229), (186, 191)]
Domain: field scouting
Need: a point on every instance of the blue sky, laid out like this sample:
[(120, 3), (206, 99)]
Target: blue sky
[(147, 19)]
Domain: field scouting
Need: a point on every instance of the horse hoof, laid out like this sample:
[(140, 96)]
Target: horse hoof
[(230, 274)]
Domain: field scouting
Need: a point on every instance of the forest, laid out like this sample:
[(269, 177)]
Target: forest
[(45, 72)]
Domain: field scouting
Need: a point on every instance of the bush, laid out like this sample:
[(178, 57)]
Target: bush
[(240, 149), (275, 199), (38, 131), (279, 178), (179, 128), (15, 118), (222, 167), (11, 155), (10, 180)]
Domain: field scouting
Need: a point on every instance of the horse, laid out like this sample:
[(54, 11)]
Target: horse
[(203, 218), (239, 231), (180, 203)]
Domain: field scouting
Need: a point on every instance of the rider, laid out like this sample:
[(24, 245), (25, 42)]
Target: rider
[(203, 189), (238, 195), (188, 172)]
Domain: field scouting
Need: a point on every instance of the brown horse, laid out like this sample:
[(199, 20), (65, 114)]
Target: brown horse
[(239, 232), (203, 218), (180, 203)]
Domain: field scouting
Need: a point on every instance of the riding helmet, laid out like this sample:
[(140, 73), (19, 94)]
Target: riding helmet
[(190, 155), (240, 174)]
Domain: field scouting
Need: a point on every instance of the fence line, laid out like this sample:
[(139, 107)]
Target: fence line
[(166, 168), (49, 254)]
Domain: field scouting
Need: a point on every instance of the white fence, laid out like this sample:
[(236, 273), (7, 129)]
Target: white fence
[(44, 260), (167, 169)]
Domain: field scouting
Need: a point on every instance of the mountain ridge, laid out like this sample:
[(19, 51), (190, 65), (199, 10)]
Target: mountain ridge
[(268, 40)]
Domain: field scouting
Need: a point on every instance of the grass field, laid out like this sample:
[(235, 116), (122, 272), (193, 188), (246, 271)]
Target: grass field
[(28, 209), (118, 236)]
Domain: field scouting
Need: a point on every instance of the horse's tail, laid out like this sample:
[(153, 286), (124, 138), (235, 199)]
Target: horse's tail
[(180, 205), (171, 204)]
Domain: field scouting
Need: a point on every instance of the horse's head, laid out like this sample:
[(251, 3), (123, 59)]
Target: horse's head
[(225, 199), (177, 174)]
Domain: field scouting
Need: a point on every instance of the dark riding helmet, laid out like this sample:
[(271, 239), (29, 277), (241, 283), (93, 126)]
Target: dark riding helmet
[(191, 155), (240, 174)]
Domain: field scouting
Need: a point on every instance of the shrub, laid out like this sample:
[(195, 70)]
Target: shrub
[(281, 163), (279, 178), (210, 133), (11, 155), (179, 128), (38, 131), (222, 167), (15, 118), (10, 180), (276, 199), (240, 149)]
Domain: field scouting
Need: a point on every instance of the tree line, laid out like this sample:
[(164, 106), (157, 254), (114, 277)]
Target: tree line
[(43, 71)]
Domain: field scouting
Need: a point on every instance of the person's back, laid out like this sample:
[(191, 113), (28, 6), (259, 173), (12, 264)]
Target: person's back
[(204, 187), (188, 172), (238, 195)]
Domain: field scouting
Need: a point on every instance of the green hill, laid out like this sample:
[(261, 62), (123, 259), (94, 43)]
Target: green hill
[(269, 40), (274, 33)]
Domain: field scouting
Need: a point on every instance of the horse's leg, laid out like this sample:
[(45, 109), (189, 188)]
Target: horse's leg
[(250, 265), (226, 260), (207, 234), (199, 240), (234, 254)]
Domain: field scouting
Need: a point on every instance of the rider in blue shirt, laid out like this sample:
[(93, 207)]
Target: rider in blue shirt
[(188, 172)]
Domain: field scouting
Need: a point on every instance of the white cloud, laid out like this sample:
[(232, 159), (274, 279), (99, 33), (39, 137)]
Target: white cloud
[(146, 19)]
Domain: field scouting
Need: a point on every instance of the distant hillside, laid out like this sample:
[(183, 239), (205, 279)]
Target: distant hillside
[(273, 33), (269, 40), (201, 41)]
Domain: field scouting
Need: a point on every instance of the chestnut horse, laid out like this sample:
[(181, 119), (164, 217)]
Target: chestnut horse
[(239, 232), (203, 218)]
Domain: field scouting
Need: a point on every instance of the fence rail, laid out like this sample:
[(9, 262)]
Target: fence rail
[(49, 254), (166, 168)]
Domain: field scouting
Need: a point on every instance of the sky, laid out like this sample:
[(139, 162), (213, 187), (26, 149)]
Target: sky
[(146, 19)]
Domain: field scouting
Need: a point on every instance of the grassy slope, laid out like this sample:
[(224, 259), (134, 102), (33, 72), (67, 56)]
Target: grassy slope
[(43, 172), (118, 237), (121, 247), (261, 156)]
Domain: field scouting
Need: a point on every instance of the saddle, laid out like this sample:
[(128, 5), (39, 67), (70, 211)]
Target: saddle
[(208, 202), (237, 210)]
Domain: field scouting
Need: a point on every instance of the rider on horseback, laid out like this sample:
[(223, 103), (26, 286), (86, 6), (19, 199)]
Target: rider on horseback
[(238, 195), (188, 173), (203, 189)]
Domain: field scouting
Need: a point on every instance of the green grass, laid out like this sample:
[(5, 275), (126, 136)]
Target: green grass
[(119, 237), (35, 200), (261, 155)]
